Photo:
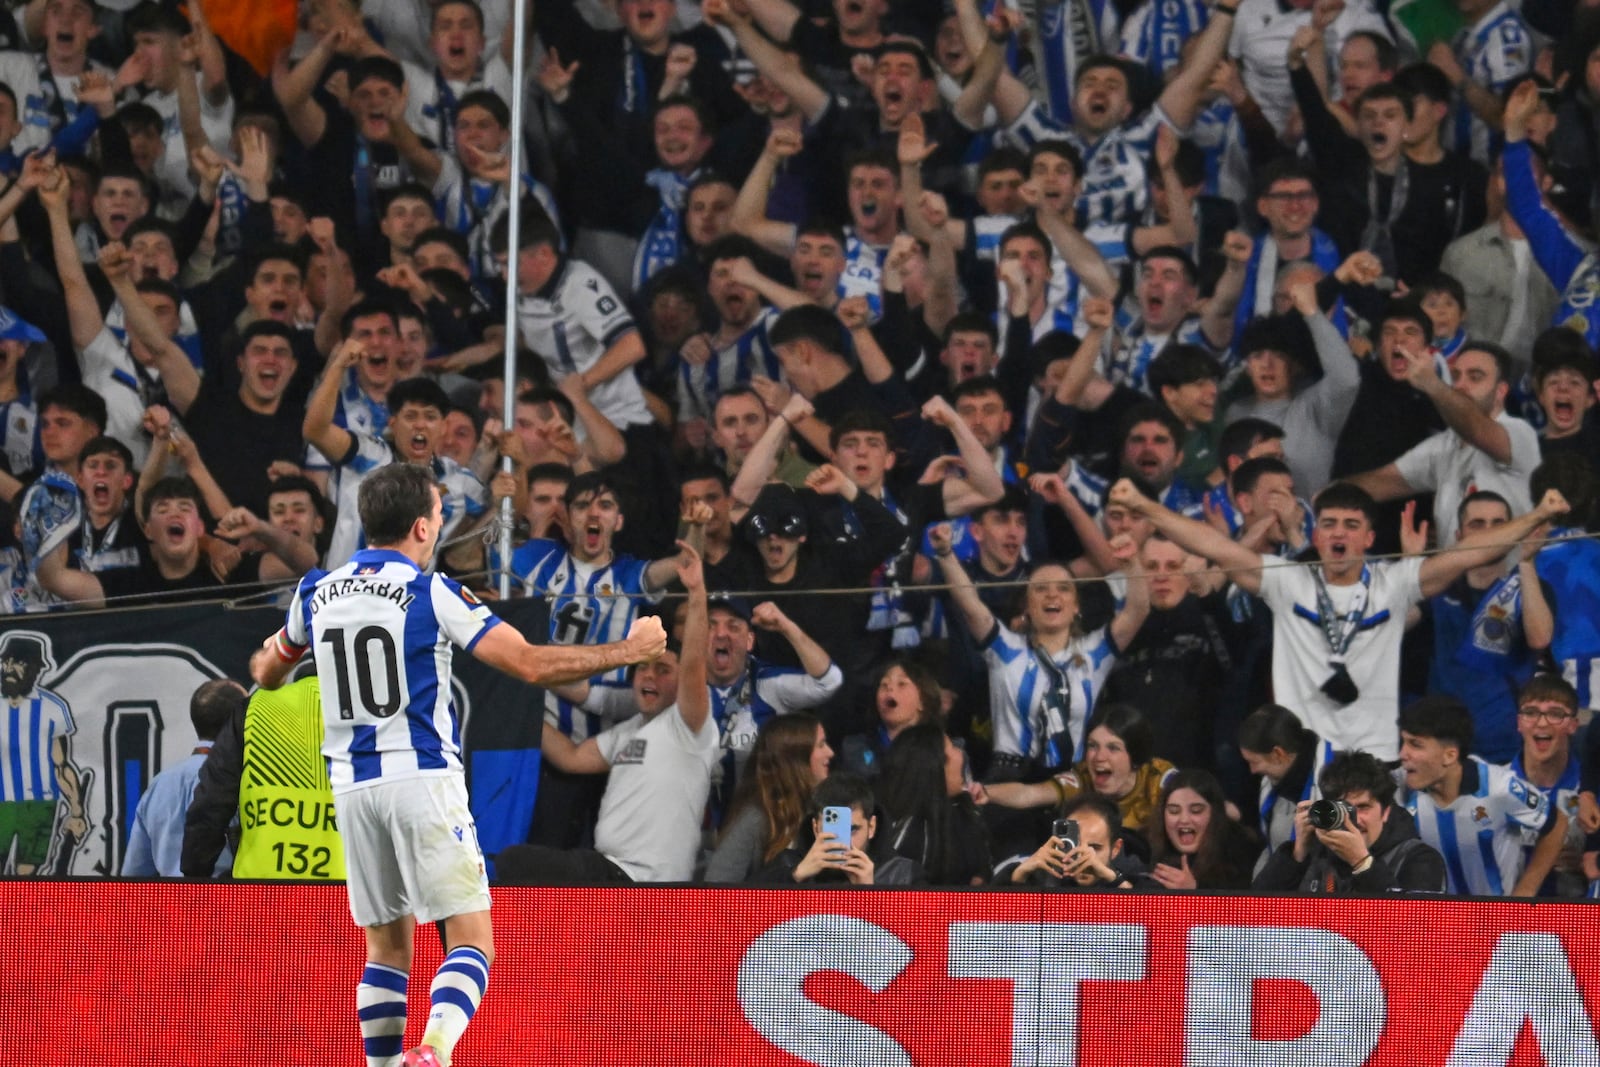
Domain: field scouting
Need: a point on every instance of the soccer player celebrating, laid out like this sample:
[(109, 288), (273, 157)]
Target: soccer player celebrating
[(382, 632)]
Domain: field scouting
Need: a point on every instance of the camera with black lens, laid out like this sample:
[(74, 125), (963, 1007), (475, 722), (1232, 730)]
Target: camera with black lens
[(1328, 814)]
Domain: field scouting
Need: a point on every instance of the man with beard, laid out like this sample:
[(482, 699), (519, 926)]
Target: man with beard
[(1175, 667), (740, 420), (36, 754)]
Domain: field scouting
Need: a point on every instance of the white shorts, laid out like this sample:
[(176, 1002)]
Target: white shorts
[(411, 848)]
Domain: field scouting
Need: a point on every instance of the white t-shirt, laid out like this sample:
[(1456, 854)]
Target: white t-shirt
[(1451, 468), (423, 111), (570, 323), (1300, 652), (651, 813), (1261, 34), (127, 388), (172, 170)]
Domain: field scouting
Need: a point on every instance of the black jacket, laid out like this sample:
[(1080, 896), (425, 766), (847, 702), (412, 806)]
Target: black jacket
[(210, 823), (1402, 863)]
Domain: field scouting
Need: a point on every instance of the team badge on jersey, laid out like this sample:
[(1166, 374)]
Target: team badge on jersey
[(1480, 814)]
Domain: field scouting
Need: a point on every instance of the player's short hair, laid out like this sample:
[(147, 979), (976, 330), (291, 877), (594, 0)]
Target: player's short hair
[(1503, 364), (1550, 687), (422, 392), (907, 46), (381, 67), (78, 399), (1149, 411), (267, 328), (702, 113), (1191, 273), (1348, 497), (1095, 804), (1422, 81), (862, 420), (705, 472), (822, 226), (1013, 501), (550, 472), (1407, 309), (1381, 91), (471, 5), (1284, 169), (391, 500), (844, 790), (485, 100), (153, 17), (1248, 473), (593, 482), (441, 235), (1003, 159), (1438, 281), (173, 487), (977, 385), (1285, 334), (160, 287), (1562, 348), (972, 322), (213, 705), (1179, 365), (151, 224), (1024, 231), (549, 394), (1350, 772), (807, 322), (367, 308), (1480, 496), (1241, 435), (405, 191), (1387, 55), (1442, 718), (728, 246), (106, 445), (295, 483), (124, 172), (1274, 726)]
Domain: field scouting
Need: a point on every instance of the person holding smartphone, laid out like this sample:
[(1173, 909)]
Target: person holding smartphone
[(843, 823), (1083, 851)]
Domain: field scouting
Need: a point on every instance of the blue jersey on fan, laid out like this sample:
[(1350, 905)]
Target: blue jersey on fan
[(590, 604), (1495, 53), (381, 632), (1483, 832), (733, 364)]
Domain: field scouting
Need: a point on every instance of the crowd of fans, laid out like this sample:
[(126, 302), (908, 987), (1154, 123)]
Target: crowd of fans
[(1099, 435)]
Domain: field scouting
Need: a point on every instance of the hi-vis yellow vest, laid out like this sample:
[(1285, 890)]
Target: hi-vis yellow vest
[(287, 828)]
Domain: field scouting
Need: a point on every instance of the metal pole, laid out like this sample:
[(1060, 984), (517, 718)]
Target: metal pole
[(519, 96)]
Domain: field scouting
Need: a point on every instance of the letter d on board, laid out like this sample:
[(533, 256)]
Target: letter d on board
[(1225, 961), (772, 979)]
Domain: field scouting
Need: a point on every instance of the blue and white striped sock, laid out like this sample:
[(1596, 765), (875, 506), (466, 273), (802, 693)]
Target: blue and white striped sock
[(456, 991), (381, 1007)]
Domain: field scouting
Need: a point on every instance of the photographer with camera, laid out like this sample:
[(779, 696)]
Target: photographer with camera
[(1084, 851), (1354, 840)]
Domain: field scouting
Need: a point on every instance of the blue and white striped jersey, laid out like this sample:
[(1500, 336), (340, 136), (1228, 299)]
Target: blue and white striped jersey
[(1018, 686), (461, 496), (1495, 51), (1128, 351), (472, 207), (19, 432), (381, 633), (1481, 834), (589, 605), (1584, 676), (1154, 33), (1563, 797), (863, 272), (1091, 490), (733, 364), (32, 725)]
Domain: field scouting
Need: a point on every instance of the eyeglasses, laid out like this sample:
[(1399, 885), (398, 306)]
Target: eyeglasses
[(1553, 715)]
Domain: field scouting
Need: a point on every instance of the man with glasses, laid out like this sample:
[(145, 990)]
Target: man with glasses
[(1547, 719), (1287, 203)]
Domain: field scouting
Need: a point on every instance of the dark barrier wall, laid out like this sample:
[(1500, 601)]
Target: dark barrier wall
[(214, 974), (125, 678)]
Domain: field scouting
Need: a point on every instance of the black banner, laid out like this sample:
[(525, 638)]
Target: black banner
[(124, 679)]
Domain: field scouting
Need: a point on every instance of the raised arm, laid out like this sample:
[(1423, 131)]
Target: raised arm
[(974, 613), (1136, 607), (1486, 546), (1538, 621), (605, 444), (762, 459), (318, 427), (749, 215), (177, 373), (1082, 257), (83, 310), (781, 68), (982, 484), (1180, 100), (1201, 538), (294, 87), (694, 694), (814, 659), (1097, 549), (1216, 322), (1459, 411), (1180, 227)]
